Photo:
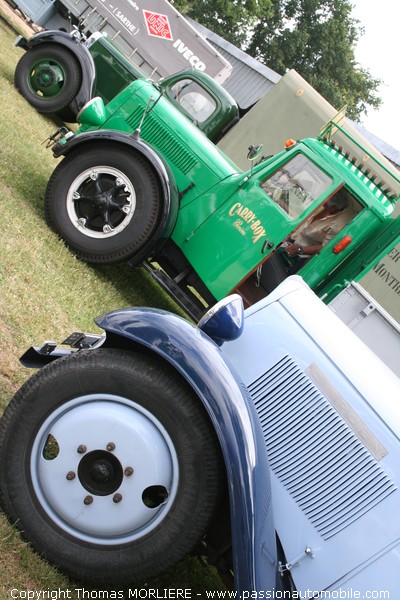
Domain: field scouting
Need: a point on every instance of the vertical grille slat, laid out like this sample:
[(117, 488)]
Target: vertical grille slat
[(291, 410), (313, 451), (160, 137), (313, 426), (336, 495)]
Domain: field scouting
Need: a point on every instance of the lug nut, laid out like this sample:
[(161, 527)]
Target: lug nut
[(81, 449), (117, 498), (70, 475), (128, 471), (110, 447), (88, 500)]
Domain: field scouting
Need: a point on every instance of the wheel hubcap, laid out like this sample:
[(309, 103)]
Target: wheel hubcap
[(101, 202), (100, 495), (100, 473), (47, 79)]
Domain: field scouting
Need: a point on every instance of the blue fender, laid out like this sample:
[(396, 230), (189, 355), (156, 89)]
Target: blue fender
[(218, 386), (164, 174), (82, 55)]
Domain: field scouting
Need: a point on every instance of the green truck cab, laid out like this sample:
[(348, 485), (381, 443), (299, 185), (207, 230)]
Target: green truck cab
[(139, 183), (60, 72)]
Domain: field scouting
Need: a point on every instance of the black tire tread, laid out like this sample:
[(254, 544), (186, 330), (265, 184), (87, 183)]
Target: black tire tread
[(76, 559), (47, 106), (130, 250)]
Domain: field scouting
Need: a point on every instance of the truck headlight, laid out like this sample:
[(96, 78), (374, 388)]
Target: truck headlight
[(92, 113)]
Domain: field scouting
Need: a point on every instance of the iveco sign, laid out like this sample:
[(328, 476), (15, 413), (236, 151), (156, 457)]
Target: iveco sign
[(155, 34), (189, 55)]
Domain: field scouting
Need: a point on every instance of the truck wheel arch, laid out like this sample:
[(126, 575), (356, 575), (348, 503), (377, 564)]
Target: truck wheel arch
[(146, 181), (224, 397)]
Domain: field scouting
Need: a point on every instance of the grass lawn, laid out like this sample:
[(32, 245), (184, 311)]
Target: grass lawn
[(46, 293)]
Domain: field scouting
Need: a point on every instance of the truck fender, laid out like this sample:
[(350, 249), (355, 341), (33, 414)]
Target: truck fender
[(165, 176), (80, 52), (225, 398)]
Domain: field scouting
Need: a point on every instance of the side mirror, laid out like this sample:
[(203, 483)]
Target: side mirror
[(92, 113), (254, 152), (224, 321)]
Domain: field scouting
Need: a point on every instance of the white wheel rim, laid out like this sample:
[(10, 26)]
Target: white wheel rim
[(104, 228), (143, 449)]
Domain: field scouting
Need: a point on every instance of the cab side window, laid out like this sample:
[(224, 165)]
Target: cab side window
[(296, 185)]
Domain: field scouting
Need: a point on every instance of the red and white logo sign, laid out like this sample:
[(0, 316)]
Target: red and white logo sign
[(157, 25)]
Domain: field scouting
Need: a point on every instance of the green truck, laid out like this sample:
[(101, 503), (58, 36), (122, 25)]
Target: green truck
[(140, 183), (60, 73), (96, 48)]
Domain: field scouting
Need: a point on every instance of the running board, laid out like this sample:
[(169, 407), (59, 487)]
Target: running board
[(172, 288)]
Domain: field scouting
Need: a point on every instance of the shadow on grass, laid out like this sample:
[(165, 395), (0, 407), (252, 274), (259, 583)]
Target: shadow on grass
[(136, 284)]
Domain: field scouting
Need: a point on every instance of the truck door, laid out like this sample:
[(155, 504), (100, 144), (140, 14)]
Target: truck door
[(362, 260), (262, 212)]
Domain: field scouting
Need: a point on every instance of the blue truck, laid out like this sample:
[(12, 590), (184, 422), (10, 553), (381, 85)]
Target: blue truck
[(267, 440)]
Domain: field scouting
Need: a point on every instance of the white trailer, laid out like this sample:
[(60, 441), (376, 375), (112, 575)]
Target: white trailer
[(370, 322)]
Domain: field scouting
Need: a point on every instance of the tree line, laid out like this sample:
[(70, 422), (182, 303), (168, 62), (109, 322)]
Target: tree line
[(317, 38)]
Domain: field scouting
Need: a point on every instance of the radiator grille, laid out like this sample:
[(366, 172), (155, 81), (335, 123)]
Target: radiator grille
[(328, 471), (159, 137)]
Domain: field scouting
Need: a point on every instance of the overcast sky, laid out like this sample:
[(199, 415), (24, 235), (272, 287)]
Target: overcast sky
[(378, 51)]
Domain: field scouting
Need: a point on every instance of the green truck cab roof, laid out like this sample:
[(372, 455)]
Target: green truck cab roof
[(365, 188)]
